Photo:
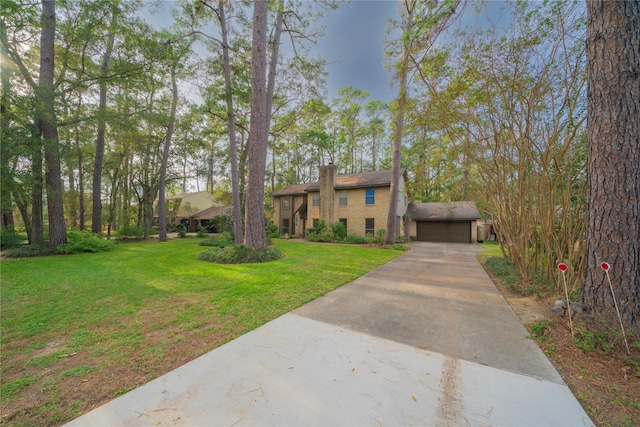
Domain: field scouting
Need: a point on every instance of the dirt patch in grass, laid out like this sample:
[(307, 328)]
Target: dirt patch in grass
[(606, 385), (68, 386)]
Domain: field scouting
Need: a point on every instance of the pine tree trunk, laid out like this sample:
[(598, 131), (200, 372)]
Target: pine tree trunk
[(96, 212), (37, 217), (53, 175), (80, 167), (392, 224), (255, 236), (231, 122), (162, 211), (613, 161)]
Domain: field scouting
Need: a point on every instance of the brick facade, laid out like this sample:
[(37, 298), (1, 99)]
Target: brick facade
[(331, 192)]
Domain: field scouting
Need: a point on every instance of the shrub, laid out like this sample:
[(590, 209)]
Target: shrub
[(325, 235), (220, 241), (182, 233), (130, 232), (505, 270), (356, 240), (400, 247), (379, 239), (322, 233), (84, 241), (202, 232), (272, 230), (30, 251), (339, 231), (240, 254), (221, 223), (369, 238), (314, 231), (9, 238)]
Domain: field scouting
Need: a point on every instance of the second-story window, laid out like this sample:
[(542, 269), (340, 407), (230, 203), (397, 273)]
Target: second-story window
[(370, 196), (315, 199), (343, 198), (285, 203)]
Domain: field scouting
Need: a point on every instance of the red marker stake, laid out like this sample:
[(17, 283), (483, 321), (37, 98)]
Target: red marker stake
[(563, 267), (605, 266)]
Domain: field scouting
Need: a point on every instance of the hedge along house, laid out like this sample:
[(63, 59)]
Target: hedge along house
[(453, 222), (360, 201)]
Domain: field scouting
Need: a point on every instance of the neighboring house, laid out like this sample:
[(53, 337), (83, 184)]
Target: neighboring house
[(454, 222), (360, 201), (192, 209)]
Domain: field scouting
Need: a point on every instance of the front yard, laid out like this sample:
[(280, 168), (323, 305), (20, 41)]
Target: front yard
[(79, 330)]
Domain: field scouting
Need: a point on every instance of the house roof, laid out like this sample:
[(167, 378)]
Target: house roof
[(355, 180), (446, 211), (213, 212), (293, 190)]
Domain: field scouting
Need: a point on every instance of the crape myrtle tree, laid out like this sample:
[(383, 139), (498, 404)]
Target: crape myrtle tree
[(613, 161), (513, 105)]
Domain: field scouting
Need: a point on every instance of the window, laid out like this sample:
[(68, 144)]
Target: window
[(344, 221), (342, 201), (370, 196), (285, 203), (369, 226), (285, 226), (316, 222), (315, 197)]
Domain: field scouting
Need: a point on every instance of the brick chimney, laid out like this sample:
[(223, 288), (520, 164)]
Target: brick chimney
[(328, 176)]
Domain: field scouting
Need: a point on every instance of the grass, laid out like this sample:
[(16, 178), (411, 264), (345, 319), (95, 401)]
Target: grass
[(601, 375), (491, 248), (493, 258), (79, 329)]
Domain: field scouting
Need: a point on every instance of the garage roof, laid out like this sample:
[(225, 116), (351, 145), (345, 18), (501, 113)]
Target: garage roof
[(453, 211)]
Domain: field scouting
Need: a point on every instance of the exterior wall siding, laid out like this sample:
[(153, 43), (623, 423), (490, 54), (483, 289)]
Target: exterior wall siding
[(313, 212), (357, 210), (197, 202), (280, 215)]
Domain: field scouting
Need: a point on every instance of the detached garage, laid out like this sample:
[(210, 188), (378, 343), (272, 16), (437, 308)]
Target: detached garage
[(451, 222)]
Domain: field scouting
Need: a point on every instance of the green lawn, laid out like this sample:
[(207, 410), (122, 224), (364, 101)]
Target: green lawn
[(491, 248), (78, 330)]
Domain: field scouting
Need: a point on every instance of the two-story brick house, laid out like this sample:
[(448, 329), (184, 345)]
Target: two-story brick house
[(360, 201)]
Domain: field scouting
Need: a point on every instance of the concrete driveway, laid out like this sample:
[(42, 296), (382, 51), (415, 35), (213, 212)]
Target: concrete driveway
[(426, 339)]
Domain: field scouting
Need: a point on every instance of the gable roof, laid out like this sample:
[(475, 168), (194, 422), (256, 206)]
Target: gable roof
[(213, 212), (293, 190), (354, 180), (446, 211)]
